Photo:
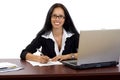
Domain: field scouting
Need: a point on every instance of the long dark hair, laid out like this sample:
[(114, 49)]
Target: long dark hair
[(68, 24)]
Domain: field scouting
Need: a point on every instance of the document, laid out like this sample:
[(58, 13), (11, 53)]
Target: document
[(7, 67), (45, 64)]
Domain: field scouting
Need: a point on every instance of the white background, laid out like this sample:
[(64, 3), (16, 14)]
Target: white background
[(21, 20)]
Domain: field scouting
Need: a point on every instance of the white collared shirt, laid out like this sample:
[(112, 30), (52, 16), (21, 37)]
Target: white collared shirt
[(64, 37)]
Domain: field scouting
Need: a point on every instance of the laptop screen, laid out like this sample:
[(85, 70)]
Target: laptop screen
[(99, 46)]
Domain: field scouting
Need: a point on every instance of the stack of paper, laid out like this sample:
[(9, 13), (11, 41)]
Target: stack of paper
[(45, 64), (6, 67)]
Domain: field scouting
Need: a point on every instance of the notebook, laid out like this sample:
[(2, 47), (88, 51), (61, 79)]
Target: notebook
[(97, 48)]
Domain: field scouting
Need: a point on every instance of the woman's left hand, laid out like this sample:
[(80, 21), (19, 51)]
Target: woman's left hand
[(61, 57)]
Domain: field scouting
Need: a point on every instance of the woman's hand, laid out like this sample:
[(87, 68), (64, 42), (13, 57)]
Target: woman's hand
[(37, 58), (65, 57), (61, 58), (43, 59)]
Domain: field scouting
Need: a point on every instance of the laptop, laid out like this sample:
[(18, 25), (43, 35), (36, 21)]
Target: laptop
[(97, 48)]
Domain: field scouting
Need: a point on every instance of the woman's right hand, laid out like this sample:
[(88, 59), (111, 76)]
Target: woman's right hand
[(37, 58), (43, 59)]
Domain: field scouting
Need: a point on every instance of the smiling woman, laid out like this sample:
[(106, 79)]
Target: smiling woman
[(57, 21), (57, 18), (58, 38)]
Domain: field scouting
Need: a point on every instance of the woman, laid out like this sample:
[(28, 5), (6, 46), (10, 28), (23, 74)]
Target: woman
[(58, 40)]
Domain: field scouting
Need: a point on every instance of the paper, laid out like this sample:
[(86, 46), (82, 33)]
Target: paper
[(45, 64), (6, 67)]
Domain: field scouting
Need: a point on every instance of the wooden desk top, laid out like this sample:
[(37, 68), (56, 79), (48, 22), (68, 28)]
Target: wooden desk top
[(59, 72)]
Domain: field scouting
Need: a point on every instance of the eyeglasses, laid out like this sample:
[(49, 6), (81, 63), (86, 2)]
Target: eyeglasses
[(59, 17)]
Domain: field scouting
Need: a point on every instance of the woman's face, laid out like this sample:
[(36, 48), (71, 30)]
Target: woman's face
[(57, 18)]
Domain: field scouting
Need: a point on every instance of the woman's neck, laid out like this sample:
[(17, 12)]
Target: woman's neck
[(57, 32)]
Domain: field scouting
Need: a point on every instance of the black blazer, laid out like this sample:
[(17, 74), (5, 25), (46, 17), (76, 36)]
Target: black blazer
[(71, 46)]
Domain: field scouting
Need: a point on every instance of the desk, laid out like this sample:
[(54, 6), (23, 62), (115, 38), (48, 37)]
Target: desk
[(59, 72)]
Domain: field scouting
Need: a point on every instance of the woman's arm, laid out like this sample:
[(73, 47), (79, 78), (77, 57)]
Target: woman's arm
[(31, 48), (37, 58)]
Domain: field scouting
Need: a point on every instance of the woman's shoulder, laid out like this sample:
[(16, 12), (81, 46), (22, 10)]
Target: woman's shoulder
[(75, 35)]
